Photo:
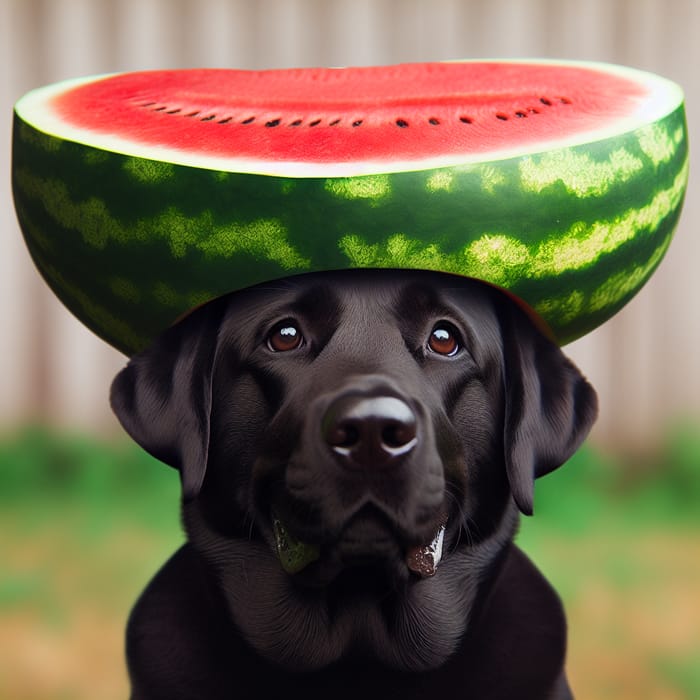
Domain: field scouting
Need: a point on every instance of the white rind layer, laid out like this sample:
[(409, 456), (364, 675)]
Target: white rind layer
[(663, 97)]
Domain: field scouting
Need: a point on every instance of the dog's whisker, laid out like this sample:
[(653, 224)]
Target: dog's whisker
[(467, 531), (251, 527), (463, 519)]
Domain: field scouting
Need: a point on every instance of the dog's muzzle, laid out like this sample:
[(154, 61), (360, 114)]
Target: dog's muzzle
[(367, 443)]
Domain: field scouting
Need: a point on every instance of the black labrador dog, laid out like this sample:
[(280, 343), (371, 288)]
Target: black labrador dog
[(354, 450)]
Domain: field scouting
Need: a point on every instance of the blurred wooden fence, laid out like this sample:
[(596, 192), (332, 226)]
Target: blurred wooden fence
[(644, 363)]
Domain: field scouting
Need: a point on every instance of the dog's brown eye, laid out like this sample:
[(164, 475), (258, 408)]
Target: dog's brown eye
[(444, 340), (285, 336)]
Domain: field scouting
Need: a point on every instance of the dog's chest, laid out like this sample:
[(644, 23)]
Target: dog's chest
[(514, 649)]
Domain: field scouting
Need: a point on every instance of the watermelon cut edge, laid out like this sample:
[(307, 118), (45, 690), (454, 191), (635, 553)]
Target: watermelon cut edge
[(38, 108)]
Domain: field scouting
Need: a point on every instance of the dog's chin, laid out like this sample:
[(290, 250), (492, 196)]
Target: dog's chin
[(367, 552)]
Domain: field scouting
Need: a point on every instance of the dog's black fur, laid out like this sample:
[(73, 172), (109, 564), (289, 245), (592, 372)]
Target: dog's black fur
[(250, 413)]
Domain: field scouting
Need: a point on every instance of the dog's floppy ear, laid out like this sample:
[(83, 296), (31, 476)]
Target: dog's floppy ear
[(163, 396), (549, 405)]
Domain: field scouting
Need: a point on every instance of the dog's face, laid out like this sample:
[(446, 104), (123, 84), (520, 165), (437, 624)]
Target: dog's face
[(357, 442)]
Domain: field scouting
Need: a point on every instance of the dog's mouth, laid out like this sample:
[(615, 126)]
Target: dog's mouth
[(295, 555)]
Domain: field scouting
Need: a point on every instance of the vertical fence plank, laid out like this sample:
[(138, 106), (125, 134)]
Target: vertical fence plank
[(24, 374), (15, 269), (151, 34), (220, 34)]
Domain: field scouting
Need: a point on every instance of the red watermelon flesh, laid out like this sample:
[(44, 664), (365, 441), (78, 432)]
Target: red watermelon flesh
[(416, 115)]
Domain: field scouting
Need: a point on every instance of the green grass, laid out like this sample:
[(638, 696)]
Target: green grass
[(110, 481)]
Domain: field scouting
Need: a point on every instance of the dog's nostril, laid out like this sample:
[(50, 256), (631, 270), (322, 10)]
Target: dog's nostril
[(372, 431), (398, 434), (343, 434)]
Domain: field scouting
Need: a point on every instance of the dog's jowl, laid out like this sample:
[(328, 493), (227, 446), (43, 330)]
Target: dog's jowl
[(354, 449)]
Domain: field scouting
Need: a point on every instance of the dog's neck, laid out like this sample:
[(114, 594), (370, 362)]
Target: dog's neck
[(415, 627)]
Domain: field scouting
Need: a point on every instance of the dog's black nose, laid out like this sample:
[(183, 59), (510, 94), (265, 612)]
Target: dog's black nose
[(370, 431)]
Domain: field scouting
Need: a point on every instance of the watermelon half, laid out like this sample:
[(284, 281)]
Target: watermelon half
[(142, 195)]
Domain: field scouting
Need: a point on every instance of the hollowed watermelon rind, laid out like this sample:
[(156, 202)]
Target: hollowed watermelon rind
[(129, 244)]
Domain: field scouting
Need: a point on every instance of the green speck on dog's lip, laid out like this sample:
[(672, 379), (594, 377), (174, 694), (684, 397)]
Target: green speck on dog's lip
[(294, 555)]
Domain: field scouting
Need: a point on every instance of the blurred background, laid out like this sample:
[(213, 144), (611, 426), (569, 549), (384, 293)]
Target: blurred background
[(86, 518)]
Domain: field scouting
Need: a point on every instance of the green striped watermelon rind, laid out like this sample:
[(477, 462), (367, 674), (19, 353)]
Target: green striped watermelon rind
[(129, 244)]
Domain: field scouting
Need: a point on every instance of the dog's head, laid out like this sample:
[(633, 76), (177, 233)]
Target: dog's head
[(357, 420)]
